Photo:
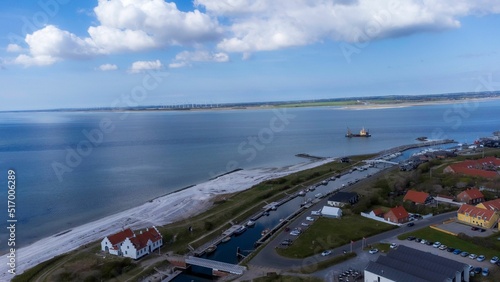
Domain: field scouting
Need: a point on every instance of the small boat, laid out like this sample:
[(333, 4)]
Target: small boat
[(264, 232), (266, 213), (273, 208), (250, 223), (211, 249), (240, 230), (302, 193), (225, 239)]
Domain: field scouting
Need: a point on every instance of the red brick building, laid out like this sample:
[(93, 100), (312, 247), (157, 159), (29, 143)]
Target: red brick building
[(471, 196), (397, 215)]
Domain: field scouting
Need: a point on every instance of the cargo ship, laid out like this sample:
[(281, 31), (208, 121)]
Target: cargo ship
[(362, 133)]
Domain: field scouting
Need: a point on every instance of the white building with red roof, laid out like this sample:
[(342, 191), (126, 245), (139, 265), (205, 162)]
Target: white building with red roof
[(129, 244)]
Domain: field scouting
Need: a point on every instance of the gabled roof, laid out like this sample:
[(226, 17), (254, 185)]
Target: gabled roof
[(411, 265), (141, 240), (378, 211), (399, 212), (493, 205), (331, 211), (475, 211), (342, 197), (416, 196), (485, 167), (119, 237), (472, 193)]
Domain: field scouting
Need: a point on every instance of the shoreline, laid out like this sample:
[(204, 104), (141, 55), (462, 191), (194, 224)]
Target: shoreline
[(414, 104), (162, 210)]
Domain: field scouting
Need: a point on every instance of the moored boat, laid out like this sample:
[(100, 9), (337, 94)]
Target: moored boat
[(264, 232), (211, 249), (240, 230), (225, 239), (250, 223)]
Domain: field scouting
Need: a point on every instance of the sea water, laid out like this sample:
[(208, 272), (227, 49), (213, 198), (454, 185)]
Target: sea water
[(76, 167)]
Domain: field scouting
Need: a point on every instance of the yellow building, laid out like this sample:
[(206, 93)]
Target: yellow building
[(477, 216)]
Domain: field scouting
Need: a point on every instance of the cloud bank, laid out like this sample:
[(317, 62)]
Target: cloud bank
[(242, 26)]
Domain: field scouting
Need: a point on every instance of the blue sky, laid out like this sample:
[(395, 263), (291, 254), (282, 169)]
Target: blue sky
[(72, 54)]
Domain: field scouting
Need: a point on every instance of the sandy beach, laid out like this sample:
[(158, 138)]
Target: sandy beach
[(369, 106), (160, 211)]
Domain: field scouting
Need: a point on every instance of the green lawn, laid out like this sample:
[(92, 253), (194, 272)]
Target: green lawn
[(451, 241), (329, 233)]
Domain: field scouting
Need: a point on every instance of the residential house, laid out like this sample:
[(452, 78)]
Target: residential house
[(377, 212), (129, 244), (477, 216), (331, 212), (112, 244), (397, 215), (341, 199), (485, 167), (493, 205), (409, 264), (471, 196), (417, 197)]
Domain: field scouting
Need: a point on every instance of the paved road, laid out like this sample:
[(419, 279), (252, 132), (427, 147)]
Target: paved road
[(269, 258)]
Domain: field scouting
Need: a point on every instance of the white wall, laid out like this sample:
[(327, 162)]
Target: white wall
[(372, 277)]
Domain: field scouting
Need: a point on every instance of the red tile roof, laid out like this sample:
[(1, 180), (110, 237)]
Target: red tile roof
[(472, 193), (378, 212), (416, 196), (399, 212), (141, 240), (493, 205), (485, 167), (475, 212), (119, 237)]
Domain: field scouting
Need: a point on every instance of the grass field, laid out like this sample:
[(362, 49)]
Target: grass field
[(329, 233)]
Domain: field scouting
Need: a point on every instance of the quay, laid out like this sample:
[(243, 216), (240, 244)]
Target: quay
[(416, 145), (203, 248)]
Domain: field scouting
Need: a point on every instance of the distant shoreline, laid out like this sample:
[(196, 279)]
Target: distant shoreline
[(353, 103)]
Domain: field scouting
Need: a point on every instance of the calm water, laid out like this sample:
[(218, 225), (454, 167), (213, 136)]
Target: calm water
[(73, 168)]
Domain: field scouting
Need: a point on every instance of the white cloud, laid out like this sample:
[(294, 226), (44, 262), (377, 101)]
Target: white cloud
[(185, 58), (14, 48), (124, 26), (141, 66), (108, 67), (244, 26), (51, 44), (269, 25)]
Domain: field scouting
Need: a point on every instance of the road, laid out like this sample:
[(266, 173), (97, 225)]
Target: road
[(269, 258)]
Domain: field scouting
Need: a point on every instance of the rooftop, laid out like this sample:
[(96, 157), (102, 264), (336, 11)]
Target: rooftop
[(416, 196), (411, 265)]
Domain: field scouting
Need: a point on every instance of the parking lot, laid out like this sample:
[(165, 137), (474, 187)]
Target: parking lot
[(457, 227)]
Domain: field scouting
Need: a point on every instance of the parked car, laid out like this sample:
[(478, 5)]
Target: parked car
[(443, 247), (457, 251), (480, 258), (423, 241), (418, 240), (309, 218), (436, 244), (326, 253), (473, 228), (304, 224), (478, 270), (464, 254), (494, 259), (450, 249), (411, 238), (485, 271), (410, 224), (472, 256), (393, 246), (373, 251)]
